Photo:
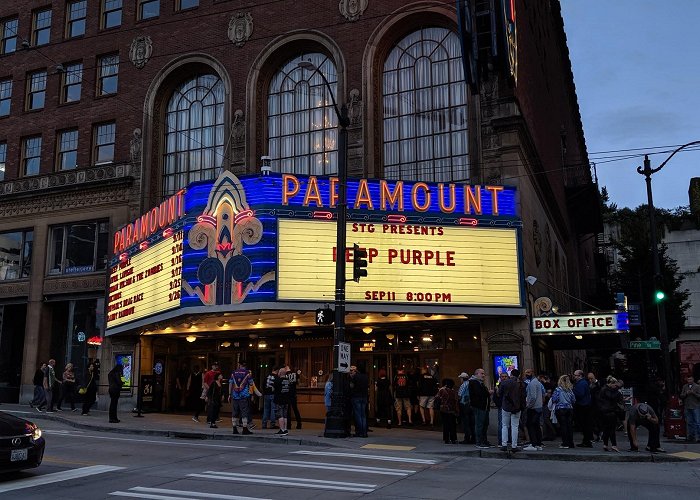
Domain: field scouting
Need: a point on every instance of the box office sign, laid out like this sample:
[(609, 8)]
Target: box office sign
[(610, 322), (236, 242)]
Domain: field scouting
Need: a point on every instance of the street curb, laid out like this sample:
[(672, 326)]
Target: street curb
[(291, 440)]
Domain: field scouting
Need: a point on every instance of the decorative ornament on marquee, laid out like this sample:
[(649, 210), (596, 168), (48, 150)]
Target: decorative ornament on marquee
[(352, 9), (225, 226), (240, 27), (543, 306), (140, 51)]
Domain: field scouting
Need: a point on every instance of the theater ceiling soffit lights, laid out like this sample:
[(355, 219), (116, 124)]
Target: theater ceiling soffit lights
[(273, 321)]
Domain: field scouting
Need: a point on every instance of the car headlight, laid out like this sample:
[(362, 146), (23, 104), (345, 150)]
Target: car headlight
[(33, 431), (36, 434)]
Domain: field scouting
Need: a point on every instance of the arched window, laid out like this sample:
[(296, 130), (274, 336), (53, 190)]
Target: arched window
[(425, 108), (194, 133), (302, 124)]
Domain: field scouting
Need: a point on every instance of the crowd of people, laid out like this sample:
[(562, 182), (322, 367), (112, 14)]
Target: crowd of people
[(52, 391), (279, 397)]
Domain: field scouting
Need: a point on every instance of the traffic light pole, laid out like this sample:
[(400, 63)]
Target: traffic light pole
[(660, 307)]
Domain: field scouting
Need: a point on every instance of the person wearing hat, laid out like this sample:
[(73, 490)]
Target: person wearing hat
[(643, 415), (465, 410)]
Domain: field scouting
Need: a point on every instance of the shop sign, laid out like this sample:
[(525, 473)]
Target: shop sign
[(367, 347), (613, 322)]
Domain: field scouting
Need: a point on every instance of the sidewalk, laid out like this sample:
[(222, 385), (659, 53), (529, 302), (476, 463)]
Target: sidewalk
[(410, 439)]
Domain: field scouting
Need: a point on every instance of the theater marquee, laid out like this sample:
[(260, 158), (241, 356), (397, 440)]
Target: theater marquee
[(267, 242), (407, 263)]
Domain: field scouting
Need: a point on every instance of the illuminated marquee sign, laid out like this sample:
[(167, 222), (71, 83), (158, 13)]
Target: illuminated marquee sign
[(236, 243), (406, 263), (613, 322), (147, 282)]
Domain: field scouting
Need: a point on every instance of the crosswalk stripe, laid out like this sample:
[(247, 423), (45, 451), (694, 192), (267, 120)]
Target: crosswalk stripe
[(167, 494), (289, 482), (56, 477), (332, 466), (422, 461)]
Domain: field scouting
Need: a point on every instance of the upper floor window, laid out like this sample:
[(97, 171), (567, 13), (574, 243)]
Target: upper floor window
[(108, 77), (104, 137), (80, 247), (5, 96), (301, 121), (31, 155), (8, 35), (425, 108), (36, 90), (111, 13), (76, 14), (71, 82), (41, 29), (3, 160), (149, 8), (186, 4), (194, 133), (67, 157), (16, 254)]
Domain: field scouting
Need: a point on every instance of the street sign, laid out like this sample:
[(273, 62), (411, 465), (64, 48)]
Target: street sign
[(645, 344), (635, 314), (343, 357)]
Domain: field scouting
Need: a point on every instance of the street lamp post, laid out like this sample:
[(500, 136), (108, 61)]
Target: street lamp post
[(335, 418), (647, 172)]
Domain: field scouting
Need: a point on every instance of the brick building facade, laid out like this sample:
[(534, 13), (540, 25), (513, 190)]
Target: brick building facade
[(110, 82)]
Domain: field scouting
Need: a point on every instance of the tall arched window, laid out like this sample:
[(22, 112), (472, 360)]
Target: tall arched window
[(425, 108), (302, 124), (194, 133)]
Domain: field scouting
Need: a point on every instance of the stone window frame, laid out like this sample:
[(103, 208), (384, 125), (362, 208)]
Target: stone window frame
[(31, 150), (101, 133), (7, 38), (110, 8), (36, 88), (107, 72), (67, 146), (61, 231), (141, 7), (41, 26), (76, 18)]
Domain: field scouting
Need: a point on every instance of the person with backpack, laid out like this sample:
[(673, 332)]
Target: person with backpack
[(385, 401), (447, 397), (513, 392), (465, 410), (427, 389)]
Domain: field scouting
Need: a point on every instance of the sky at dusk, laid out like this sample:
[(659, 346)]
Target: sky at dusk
[(636, 67)]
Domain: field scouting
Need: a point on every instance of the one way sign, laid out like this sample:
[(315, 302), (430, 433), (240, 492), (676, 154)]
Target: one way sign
[(343, 357)]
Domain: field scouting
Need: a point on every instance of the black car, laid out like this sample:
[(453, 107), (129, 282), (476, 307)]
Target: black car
[(21, 444)]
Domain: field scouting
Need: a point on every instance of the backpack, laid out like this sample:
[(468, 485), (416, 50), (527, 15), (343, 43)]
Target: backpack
[(464, 399)]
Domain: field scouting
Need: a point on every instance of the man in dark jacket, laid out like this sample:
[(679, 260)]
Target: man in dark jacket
[(512, 391), (359, 390), (582, 409), (39, 398), (114, 378), (479, 396), (427, 389)]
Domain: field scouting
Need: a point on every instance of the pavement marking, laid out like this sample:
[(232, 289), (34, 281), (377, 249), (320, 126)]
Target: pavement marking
[(30, 482), (422, 461), (687, 454), (171, 443), (388, 447), (166, 494), (55, 460), (288, 482), (332, 466)]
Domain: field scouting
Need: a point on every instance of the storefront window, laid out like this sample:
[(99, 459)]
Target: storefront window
[(15, 255), (79, 248), (85, 320)]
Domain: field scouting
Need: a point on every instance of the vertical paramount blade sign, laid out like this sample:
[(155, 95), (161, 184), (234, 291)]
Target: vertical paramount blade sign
[(145, 276)]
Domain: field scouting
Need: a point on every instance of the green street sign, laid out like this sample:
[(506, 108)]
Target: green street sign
[(645, 344)]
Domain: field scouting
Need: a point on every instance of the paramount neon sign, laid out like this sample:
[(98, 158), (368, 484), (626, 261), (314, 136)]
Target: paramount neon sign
[(383, 195)]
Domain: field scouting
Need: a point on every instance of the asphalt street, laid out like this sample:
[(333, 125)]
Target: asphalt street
[(84, 464)]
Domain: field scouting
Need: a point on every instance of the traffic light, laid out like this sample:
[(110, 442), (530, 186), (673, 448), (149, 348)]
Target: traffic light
[(359, 262), (659, 295)]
